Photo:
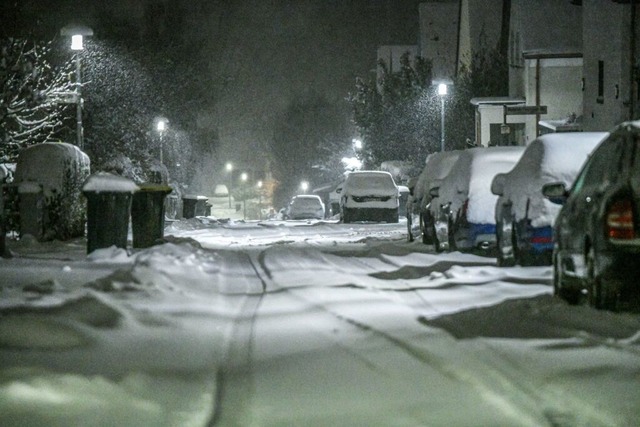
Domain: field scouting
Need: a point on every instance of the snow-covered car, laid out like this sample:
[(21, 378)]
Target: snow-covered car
[(369, 196), (524, 217), (305, 206), (437, 166), (597, 232), (463, 207)]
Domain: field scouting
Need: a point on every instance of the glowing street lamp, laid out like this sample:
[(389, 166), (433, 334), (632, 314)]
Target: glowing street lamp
[(304, 185), (442, 92), (77, 32), (229, 168)]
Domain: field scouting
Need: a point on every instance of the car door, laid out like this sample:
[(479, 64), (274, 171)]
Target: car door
[(579, 221)]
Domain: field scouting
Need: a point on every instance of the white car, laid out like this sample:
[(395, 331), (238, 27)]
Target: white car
[(369, 196), (305, 206)]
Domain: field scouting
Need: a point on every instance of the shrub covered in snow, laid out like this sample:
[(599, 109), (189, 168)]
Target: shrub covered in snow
[(51, 176)]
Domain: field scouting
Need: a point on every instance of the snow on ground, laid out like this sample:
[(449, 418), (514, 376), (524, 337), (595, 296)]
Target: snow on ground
[(301, 322)]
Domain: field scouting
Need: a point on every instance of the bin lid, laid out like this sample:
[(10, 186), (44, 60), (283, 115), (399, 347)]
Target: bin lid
[(195, 197), (152, 186), (105, 182)]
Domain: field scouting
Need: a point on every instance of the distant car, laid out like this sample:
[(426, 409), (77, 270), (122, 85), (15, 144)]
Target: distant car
[(463, 207), (305, 206), (369, 196), (436, 167), (597, 232), (524, 217)]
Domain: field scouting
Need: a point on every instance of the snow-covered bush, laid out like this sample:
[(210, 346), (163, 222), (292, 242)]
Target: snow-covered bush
[(57, 171)]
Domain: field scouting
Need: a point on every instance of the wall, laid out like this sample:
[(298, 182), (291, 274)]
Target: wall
[(560, 89), (607, 36), (439, 36), (541, 25)]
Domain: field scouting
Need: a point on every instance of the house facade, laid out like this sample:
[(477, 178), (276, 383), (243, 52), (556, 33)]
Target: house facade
[(611, 63)]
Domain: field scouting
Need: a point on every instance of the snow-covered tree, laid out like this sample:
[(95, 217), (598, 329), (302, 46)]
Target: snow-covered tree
[(29, 89), (396, 113)]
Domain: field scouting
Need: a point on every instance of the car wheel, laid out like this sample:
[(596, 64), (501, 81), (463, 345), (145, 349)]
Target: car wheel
[(599, 296), (409, 228), (451, 237), (571, 296), (346, 217), (427, 231), (436, 243), (505, 256)]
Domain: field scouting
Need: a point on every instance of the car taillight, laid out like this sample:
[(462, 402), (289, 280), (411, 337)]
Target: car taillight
[(620, 220)]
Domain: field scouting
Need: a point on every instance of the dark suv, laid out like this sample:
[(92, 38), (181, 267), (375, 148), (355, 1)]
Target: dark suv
[(596, 234)]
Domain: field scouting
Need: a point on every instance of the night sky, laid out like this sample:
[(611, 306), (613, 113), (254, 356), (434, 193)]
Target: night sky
[(262, 54)]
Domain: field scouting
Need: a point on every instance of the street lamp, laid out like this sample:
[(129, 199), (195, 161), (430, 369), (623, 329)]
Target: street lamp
[(77, 32), (304, 185), (442, 92), (229, 168), (244, 178), (161, 126)]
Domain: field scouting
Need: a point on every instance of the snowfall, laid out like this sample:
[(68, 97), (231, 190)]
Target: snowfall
[(309, 323)]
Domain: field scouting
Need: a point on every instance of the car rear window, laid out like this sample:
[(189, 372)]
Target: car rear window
[(370, 181), (306, 202)]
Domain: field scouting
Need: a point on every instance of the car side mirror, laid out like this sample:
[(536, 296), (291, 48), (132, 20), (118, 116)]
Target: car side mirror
[(497, 185), (555, 192)]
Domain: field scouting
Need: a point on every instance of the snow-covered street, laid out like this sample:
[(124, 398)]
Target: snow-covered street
[(302, 323)]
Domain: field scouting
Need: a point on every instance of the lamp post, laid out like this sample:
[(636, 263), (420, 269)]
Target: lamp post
[(229, 168), (77, 32), (304, 185), (442, 92), (161, 126), (259, 200), (244, 178)]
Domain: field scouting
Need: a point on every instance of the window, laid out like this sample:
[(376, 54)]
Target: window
[(603, 166)]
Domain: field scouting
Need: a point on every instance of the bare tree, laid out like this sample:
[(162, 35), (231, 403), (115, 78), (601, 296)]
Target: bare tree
[(30, 91)]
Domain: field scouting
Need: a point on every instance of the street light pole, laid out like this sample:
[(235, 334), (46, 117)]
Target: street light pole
[(229, 168), (79, 128), (260, 200), (76, 32), (442, 91), (244, 178), (161, 127)]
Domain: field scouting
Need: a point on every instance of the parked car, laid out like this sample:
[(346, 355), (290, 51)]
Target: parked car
[(597, 232), (305, 206), (369, 196), (524, 217), (437, 166), (463, 207)]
